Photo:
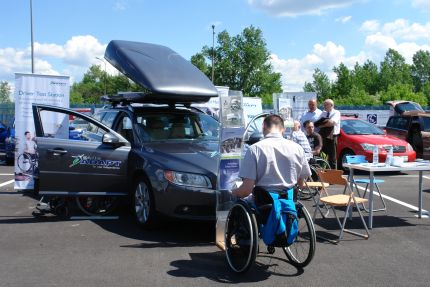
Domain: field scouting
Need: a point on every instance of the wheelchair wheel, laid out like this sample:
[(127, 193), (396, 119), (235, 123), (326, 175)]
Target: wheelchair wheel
[(96, 205), (241, 237), (301, 252), (24, 162)]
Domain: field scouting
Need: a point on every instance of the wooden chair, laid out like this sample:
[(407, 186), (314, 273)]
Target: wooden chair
[(348, 200)]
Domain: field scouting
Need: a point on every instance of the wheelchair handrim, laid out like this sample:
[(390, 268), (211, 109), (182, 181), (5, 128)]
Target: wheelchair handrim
[(248, 218)]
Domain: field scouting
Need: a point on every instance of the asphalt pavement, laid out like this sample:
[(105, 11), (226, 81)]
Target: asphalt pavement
[(49, 251)]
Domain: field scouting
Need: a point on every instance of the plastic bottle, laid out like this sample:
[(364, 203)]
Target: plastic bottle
[(375, 154), (389, 158)]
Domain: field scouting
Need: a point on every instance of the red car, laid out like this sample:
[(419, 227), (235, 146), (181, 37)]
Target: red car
[(358, 137)]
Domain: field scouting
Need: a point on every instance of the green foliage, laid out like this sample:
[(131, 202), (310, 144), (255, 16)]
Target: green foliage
[(241, 63), (420, 69), (394, 70), (321, 85), (94, 84), (366, 85), (401, 91), (4, 92)]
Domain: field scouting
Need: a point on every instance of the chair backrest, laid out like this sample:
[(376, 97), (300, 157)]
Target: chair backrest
[(355, 159), (332, 176)]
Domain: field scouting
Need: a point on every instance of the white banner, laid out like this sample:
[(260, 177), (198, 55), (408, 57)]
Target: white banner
[(29, 89)]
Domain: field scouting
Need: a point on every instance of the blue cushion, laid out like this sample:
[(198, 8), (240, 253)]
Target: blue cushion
[(367, 180)]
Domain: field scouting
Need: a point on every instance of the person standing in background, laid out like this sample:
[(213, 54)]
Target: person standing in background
[(313, 114), (329, 125)]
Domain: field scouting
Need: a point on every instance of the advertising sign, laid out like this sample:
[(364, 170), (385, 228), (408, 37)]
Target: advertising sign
[(41, 89)]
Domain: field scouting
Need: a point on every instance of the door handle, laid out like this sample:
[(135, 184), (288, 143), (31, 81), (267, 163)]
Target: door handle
[(57, 151)]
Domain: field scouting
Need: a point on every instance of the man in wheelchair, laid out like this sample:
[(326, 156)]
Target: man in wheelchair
[(270, 171)]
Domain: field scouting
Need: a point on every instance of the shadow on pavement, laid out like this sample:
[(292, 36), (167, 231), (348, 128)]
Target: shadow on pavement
[(213, 266)]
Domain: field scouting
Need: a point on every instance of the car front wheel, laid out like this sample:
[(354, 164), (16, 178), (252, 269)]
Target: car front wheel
[(143, 205), (343, 156)]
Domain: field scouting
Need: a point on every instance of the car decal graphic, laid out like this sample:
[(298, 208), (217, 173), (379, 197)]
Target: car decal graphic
[(95, 162)]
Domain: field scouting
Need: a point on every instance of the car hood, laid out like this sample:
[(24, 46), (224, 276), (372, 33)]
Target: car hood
[(162, 71), (377, 139), (187, 156)]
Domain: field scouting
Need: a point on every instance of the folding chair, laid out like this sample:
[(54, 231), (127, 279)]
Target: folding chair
[(334, 177), (354, 159)]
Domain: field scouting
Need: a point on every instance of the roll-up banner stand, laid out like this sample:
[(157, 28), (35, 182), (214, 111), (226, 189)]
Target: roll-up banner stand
[(41, 89), (231, 141)]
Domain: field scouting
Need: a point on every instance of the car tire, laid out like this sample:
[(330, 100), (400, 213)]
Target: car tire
[(343, 156), (143, 204)]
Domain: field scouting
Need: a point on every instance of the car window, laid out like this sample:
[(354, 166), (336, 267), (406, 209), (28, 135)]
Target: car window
[(359, 127), (109, 118), (178, 126), (398, 123), (125, 127), (426, 124), (58, 125)]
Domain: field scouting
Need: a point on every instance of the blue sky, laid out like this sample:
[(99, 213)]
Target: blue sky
[(301, 35)]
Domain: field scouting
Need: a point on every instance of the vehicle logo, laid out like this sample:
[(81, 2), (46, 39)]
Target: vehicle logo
[(95, 162)]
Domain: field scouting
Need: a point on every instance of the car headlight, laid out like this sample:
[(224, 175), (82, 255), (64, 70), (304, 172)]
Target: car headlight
[(367, 147), (409, 148), (188, 179)]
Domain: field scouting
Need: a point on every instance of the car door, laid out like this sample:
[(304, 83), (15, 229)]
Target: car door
[(91, 162)]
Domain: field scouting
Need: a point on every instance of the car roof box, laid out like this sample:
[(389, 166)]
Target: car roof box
[(167, 76)]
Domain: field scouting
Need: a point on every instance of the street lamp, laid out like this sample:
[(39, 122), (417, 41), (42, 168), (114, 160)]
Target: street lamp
[(104, 76), (32, 42), (213, 52)]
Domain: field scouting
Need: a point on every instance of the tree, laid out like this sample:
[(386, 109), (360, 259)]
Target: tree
[(320, 84), (4, 92), (343, 84), (394, 70), (405, 92), (366, 77), (92, 86), (420, 69), (242, 63)]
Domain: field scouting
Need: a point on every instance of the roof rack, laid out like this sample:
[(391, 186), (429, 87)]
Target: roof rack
[(127, 98)]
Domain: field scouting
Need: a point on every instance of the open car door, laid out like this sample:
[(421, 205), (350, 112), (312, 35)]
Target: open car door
[(88, 161)]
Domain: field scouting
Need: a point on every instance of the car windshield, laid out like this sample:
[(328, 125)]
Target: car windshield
[(359, 127), (178, 126), (408, 106)]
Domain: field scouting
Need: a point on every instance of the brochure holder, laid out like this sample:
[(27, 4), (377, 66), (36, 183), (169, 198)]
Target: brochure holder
[(230, 148)]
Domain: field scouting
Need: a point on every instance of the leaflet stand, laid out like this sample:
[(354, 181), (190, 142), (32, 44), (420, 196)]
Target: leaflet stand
[(230, 147)]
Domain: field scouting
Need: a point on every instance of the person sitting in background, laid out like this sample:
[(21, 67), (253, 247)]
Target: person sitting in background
[(315, 140), (300, 138)]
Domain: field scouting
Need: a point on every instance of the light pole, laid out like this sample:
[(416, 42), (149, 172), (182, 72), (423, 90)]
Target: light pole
[(213, 52), (104, 76), (32, 45)]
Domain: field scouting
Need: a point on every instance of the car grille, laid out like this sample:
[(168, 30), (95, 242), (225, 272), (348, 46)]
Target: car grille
[(396, 148)]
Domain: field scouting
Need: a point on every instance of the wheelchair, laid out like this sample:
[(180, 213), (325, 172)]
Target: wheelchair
[(315, 163), (242, 234)]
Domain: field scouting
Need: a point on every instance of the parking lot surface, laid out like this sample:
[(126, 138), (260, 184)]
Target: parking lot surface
[(52, 252)]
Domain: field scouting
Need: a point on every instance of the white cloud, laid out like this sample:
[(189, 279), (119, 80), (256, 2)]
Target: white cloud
[(422, 4), (344, 19), (293, 8), (295, 72), (74, 58), (120, 5), (370, 26), (399, 35)]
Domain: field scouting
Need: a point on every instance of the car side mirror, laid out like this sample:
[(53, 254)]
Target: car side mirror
[(111, 140)]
